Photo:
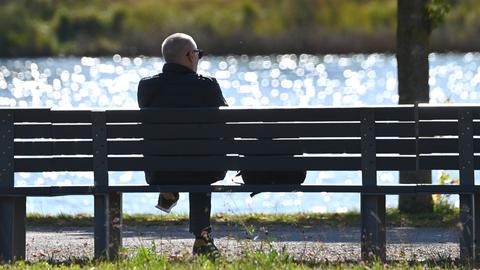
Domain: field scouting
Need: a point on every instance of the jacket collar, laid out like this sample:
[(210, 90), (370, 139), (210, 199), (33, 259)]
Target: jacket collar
[(176, 68)]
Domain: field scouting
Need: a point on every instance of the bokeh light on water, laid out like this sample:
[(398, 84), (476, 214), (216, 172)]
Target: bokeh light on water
[(247, 81)]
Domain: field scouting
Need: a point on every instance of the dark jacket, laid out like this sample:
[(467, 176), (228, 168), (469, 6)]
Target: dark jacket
[(180, 87)]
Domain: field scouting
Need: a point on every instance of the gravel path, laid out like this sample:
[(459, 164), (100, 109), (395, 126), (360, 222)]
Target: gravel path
[(319, 242)]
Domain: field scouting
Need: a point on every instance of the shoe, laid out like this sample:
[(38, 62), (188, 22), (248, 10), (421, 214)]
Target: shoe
[(167, 200), (204, 245)]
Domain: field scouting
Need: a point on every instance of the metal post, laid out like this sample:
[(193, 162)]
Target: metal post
[(468, 212), (373, 243), (12, 209), (115, 224), (108, 211), (476, 229), (12, 228), (100, 226)]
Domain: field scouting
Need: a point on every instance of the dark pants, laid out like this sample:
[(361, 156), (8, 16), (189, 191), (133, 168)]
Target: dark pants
[(200, 202), (200, 206)]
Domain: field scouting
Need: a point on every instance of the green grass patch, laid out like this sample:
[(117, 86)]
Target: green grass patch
[(441, 217), (148, 258)]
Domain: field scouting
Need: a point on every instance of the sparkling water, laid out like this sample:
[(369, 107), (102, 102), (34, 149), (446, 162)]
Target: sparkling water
[(246, 81)]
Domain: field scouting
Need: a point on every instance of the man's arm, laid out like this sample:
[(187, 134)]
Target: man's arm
[(215, 97), (142, 96)]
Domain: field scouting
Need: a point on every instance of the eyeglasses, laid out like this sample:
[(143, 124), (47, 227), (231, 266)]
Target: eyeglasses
[(200, 53)]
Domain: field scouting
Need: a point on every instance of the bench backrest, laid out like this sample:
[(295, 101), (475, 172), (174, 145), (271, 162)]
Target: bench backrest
[(400, 137)]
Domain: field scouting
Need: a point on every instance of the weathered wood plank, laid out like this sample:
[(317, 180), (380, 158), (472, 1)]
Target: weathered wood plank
[(56, 131), (204, 115), (47, 148), (47, 164), (286, 163), (383, 189), (404, 146), (445, 112), (258, 130)]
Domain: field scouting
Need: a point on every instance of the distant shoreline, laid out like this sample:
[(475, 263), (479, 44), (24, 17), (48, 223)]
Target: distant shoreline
[(339, 45), (106, 27)]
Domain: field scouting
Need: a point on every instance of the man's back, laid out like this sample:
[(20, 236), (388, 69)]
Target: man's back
[(180, 87)]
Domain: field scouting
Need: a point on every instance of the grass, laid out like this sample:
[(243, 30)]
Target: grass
[(148, 258), (441, 217), (264, 257)]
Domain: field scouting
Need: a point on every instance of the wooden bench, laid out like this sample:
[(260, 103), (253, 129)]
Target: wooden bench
[(366, 139)]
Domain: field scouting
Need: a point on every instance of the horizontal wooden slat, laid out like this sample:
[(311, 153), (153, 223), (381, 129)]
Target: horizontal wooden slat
[(47, 191), (32, 115), (392, 189), (442, 162), (73, 131), (254, 163), (266, 147), (429, 129), (443, 145), (259, 130), (53, 148), (213, 115), (436, 113), (71, 116), (438, 145), (263, 130), (210, 163), (53, 164), (43, 115), (428, 112), (395, 129), (203, 163), (384, 189), (442, 128), (403, 113)]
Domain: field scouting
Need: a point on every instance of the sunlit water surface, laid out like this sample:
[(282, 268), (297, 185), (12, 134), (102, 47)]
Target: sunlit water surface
[(246, 81)]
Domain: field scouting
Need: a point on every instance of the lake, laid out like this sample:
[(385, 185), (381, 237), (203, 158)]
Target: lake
[(246, 81)]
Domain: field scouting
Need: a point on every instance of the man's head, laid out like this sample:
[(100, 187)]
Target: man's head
[(180, 48)]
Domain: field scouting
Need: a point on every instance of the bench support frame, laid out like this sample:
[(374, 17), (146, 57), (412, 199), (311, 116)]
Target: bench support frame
[(373, 243), (373, 239), (12, 228), (108, 205), (108, 225), (12, 209), (469, 203)]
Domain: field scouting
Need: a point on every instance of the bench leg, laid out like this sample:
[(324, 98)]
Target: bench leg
[(469, 228), (12, 228), (373, 227), (108, 225)]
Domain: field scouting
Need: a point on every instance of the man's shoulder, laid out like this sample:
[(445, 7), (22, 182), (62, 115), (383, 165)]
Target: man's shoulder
[(193, 76), (205, 78), (150, 78), (150, 83)]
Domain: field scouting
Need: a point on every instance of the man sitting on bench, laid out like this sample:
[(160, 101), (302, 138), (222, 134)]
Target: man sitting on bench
[(179, 86)]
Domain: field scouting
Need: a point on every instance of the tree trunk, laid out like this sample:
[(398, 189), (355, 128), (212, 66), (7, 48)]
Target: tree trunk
[(413, 32)]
